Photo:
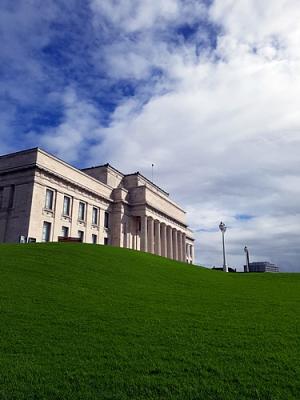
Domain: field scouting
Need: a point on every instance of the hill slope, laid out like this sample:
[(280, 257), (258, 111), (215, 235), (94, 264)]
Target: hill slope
[(94, 322)]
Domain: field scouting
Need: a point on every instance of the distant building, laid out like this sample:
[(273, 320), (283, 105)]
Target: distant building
[(43, 199), (262, 266)]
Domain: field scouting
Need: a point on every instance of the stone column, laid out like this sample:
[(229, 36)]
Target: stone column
[(129, 233), (169, 242), (164, 250), (134, 242), (179, 247), (144, 233), (157, 244), (175, 244), (193, 253), (56, 224), (183, 247), (128, 239), (190, 252), (150, 235)]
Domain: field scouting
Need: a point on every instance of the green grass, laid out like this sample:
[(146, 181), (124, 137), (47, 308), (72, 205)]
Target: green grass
[(94, 322)]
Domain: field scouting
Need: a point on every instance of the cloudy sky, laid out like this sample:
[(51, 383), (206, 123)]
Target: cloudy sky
[(208, 91)]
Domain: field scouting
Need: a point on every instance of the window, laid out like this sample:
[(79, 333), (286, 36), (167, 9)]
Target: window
[(106, 219), (65, 231), (49, 199), (95, 216), (94, 239), (11, 196), (46, 231), (81, 211), (106, 241), (81, 235), (67, 206)]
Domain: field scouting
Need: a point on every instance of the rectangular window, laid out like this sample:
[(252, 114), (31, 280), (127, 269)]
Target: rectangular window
[(46, 232), (65, 231), (67, 206), (81, 235), (49, 199), (106, 241), (11, 196), (106, 219), (94, 239), (95, 216), (81, 211)]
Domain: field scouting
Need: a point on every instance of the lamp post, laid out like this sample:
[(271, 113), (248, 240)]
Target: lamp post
[(223, 228), (247, 258)]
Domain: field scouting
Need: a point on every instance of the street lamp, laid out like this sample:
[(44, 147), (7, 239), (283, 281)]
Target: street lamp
[(247, 258), (223, 228)]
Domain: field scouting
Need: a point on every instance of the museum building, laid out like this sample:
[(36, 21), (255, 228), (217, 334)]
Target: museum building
[(43, 199)]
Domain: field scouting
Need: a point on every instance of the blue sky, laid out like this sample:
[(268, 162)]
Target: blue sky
[(208, 91)]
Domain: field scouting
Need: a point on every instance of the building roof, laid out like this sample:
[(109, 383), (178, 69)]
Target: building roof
[(107, 165), (20, 152)]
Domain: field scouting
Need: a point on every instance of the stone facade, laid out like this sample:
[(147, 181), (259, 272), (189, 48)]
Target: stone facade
[(43, 198)]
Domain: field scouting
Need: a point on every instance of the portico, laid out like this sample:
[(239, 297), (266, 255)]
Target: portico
[(163, 239)]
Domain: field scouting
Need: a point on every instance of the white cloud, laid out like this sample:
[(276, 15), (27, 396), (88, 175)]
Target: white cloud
[(134, 15), (79, 126), (139, 34), (270, 26)]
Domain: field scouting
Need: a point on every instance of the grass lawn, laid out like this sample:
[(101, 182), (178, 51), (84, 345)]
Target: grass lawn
[(95, 322)]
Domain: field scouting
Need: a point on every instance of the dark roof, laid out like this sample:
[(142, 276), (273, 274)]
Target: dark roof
[(103, 165), (20, 152)]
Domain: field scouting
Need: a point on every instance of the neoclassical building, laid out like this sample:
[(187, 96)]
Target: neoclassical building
[(43, 198)]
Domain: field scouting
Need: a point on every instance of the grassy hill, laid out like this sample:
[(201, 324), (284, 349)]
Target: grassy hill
[(94, 322)]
